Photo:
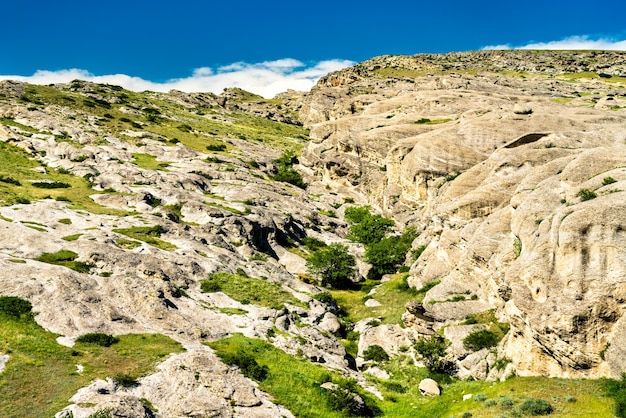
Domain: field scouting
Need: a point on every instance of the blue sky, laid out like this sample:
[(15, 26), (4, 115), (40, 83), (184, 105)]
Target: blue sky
[(274, 45)]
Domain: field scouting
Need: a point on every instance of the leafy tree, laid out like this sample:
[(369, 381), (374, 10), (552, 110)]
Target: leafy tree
[(367, 228), (333, 265), (389, 253), (432, 350)]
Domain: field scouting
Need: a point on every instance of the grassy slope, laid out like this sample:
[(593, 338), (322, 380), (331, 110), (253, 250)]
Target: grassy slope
[(295, 384), (41, 375)]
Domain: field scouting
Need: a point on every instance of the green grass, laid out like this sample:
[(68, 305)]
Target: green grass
[(147, 234), (589, 394), (393, 295), (41, 376), (246, 289), (18, 165), (294, 383), (72, 237), (127, 244), (291, 382), (65, 258), (149, 162)]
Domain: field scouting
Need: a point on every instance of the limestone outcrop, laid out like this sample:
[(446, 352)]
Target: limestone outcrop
[(514, 182)]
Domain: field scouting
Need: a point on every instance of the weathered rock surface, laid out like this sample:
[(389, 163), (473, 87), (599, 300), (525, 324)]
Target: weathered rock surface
[(428, 387), (489, 167), (484, 153)]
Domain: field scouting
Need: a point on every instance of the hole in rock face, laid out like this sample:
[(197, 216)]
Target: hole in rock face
[(526, 139)]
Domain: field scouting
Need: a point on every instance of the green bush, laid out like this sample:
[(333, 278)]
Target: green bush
[(313, 244), (125, 380), (50, 185), (366, 228), (325, 297), (102, 413), (15, 307), (389, 253), (608, 180), (586, 194), (480, 339), (98, 338), (216, 147), (432, 350), (247, 364), (285, 171), (375, 353), (616, 389), (344, 400), (536, 407), (333, 265), (210, 286)]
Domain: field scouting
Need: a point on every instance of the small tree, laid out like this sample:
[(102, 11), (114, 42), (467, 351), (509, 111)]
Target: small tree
[(333, 265), (432, 350), (389, 253), (367, 228)]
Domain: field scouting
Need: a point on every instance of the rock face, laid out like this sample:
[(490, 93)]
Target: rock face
[(496, 172)]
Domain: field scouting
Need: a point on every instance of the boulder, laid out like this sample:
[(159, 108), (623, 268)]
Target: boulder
[(428, 387)]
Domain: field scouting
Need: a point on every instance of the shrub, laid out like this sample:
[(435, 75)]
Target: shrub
[(98, 338), (480, 397), (285, 171), (586, 194), (15, 307), (313, 244), (102, 413), (616, 389), (209, 286), (50, 185), (375, 353), (333, 265), (367, 228), (517, 247), (394, 387), (216, 147), (432, 350), (536, 407), (247, 364), (389, 253), (608, 180), (9, 180), (125, 380), (480, 339), (506, 402), (344, 400), (325, 297), (417, 252)]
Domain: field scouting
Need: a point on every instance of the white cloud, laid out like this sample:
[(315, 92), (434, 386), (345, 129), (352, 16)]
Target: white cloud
[(266, 78), (571, 43)]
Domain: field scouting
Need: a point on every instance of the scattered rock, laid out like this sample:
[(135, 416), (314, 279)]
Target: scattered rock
[(428, 387)]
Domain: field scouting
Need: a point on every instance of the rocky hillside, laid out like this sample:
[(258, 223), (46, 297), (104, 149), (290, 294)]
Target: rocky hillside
[(510, 164), (187, 220)]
